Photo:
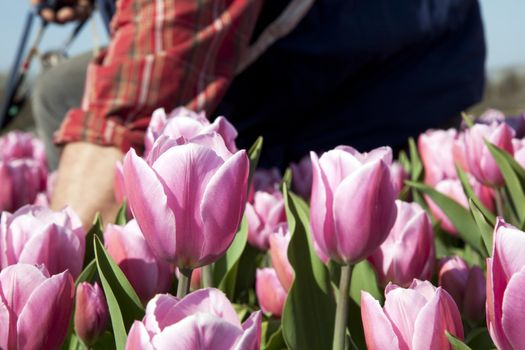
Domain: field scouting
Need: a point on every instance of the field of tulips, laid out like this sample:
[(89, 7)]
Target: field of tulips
[(345, 250)]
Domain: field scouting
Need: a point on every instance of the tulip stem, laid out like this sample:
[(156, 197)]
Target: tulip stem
[(499, 202), (184, 282), (341, 313), (207, 276)]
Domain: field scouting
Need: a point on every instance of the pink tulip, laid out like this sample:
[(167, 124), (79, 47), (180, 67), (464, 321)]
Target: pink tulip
[(188, 201), (353, 202), (302, 177), (480, 161), (127, 246), (459, 152), (412, 318), (408, 252), (266, 180), (279, 242), (37, 235), (453, 189), (519, 151), (185, 123), (91, 313), (263, 216), (270, 292), (23, 170), (505, 287), (466, 285), (435, 148), (204, 319), (399, 175), (35, 307)]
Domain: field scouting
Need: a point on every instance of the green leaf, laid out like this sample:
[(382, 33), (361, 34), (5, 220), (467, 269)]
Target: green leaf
[(416, 166), (87, 274), (287, 178), (458, 215), (276, 341), (364, 278), (96, 230), (404, 161), (308, 317), (254, 153), (123, 303), (484, 226), (479, 339), (122, 218), (469, 192), (467, 119), (225, 269), (456, 343), (511, 172)]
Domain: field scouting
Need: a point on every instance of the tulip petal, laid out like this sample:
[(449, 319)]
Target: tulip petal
[(198, 331), (369, 196), (495, 290), (138, 338), (379, 333), (508, 248), (223, 204), (151, 206), (270, 292), (513, 315), (279, 256), (402, 307), (251, 338), (158, 312), (44, 320), (8, 327), (440, 314), (17, 283)]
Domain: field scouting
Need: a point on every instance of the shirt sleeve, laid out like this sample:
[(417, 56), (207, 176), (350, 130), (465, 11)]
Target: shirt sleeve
[(163, 53)]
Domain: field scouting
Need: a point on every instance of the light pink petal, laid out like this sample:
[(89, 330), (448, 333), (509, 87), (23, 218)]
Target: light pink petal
[(440, 314), (279, 255), (7, 327), (495, 288), (198, 331), (251, 338), (213, 141), (337, 165), (138, 338), (270, 292), (255, 226), (228, 132), (151, 206), (402, 307), (158, 312), (44, 321), (379, 333), (17, 283), (509, 244), (223, 204), (364, 211), (513, 307)]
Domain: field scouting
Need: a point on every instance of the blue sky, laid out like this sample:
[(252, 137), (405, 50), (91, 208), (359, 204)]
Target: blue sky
[(504, 26)]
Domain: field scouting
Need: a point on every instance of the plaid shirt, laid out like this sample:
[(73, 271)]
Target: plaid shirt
[(164, 53)]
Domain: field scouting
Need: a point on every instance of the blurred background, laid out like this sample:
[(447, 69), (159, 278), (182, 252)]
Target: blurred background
[(504, 30)]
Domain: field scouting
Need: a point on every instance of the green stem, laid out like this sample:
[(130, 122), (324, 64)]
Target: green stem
[(499, 202), (207, 276), (184, 282), (341, 313)]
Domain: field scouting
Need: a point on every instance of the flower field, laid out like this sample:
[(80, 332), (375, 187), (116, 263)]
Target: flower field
[(345, 250)]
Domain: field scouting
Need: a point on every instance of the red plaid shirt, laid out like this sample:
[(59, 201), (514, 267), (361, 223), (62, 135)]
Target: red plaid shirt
[(164, 53)]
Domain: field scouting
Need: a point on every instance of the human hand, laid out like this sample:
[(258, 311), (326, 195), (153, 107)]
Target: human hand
[(66, 11)]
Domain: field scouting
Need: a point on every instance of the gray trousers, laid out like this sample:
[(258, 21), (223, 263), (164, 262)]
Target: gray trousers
[(57, 90)]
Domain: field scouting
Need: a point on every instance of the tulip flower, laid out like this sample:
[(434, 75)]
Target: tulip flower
[(279, 241), (91, 313), (408, 252), (204, 319), (466, 285), (21, 145), (353, 202), (270, 292), (302, 177), (35, 307), (147, 274), (263, 216), (37, 235), (266, 180), (453, 189), (183, 122), (505, 287), (481, 164), (399, 175), (412, 318), (188, 200), (435, 148)]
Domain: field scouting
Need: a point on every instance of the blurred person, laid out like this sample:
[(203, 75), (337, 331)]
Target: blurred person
[(306, 75)]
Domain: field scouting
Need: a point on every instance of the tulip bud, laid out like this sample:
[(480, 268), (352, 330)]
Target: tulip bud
[(270, 292), (279, 242), (399, 175), (435, 148), (263, 216), (91, 313), (408, 252), (465, 285), (481, 164), (412, 318), (353, 202)]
